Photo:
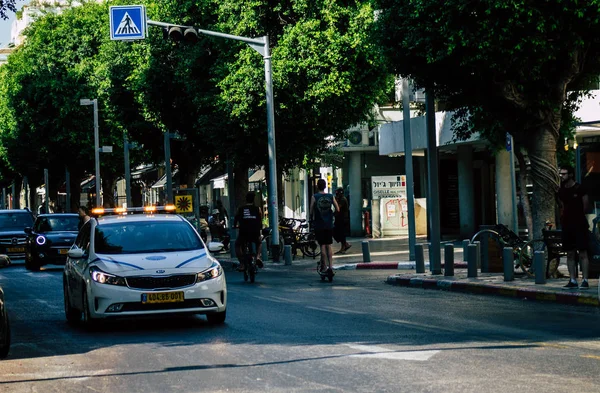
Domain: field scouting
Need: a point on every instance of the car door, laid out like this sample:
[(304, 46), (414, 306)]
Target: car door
[(76, 266)]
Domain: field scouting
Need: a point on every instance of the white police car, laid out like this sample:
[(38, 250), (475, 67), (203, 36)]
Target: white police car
[(141, 262)]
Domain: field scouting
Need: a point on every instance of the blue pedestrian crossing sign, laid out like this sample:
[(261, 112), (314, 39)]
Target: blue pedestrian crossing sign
[(128, 22)]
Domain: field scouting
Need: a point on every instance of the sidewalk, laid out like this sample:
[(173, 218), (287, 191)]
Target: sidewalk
[(392, 254)]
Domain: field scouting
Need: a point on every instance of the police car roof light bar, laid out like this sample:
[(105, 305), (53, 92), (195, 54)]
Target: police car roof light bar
[(100, 211)]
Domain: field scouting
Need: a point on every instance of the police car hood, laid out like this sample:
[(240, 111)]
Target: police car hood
[(171, 262)]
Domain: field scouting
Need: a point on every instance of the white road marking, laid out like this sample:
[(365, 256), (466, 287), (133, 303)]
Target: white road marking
[(390, 354), (326, 310), (426, 326), (39, 275)]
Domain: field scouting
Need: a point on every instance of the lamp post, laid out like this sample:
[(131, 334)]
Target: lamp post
[(94, 102)]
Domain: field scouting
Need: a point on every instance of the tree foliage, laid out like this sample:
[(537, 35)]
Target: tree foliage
[(505, 65), (7, 6), (327, 75)]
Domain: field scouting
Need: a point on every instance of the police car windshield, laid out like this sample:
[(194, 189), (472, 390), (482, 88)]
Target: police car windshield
[(145, 237)]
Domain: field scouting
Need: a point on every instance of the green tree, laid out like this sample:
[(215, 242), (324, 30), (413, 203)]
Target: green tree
[(7, 6), (43, 124), (510, 61), (327, 75)]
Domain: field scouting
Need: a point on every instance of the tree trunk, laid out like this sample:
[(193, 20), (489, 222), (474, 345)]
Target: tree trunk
[(108, 187), (544, 175), (523, 171), (240, 175)]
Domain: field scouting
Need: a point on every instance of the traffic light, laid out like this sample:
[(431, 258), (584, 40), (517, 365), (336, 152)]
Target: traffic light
[(178, 33)]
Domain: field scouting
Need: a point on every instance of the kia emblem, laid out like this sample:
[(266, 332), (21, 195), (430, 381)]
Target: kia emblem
[(160, 271)]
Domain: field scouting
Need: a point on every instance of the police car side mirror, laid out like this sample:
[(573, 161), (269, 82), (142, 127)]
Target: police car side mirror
[(76, 253), (215, 247)]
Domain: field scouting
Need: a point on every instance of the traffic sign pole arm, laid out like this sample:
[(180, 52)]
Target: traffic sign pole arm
[(212, 33)]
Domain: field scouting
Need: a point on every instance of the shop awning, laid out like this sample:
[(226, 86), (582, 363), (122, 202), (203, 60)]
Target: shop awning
[(257, 176), (219, 182)]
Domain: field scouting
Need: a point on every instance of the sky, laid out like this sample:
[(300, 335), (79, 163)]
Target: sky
[(5, 25)]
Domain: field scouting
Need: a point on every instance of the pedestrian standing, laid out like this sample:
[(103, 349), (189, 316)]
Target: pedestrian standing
[(84, 216), (575, 228), (342, 219), (322, 207)]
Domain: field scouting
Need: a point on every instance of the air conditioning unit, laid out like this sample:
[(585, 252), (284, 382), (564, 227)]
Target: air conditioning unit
[(418, 96), (355, 138)]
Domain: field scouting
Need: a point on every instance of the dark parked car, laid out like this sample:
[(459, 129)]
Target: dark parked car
[(49, 240), (4, 328), (12, 237)]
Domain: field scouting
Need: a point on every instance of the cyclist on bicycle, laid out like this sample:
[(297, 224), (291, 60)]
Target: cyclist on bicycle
[(248, 220)]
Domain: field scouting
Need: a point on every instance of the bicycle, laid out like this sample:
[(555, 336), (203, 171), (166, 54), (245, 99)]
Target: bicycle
[(249, 258), (508, 238), (295, 232), (524, 250)]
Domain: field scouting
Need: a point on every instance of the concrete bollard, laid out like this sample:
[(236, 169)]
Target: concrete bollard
[(264, 252), (540, 267), (287, 254), (478, 244), (508, 261), (473, 254), (485, 255), (419, 258), (232, 248), (366, 252), (448, 260), (466, 243)]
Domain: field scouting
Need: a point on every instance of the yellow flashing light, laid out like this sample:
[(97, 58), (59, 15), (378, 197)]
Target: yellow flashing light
[(149, 209), (170, 208), (98, 210)]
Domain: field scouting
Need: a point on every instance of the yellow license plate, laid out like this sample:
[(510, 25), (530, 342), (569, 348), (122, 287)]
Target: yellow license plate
[(162, 297), (15, 249), (63, 251)]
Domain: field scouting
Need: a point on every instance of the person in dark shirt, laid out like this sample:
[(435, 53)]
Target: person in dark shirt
[(575, 228), (248, 220), (340, 227), (322, 214)]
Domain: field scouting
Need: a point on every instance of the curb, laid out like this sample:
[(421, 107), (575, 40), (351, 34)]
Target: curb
[(390, 265), (574, 298)]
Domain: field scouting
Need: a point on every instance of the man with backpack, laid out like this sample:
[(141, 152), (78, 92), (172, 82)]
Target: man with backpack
[(322, 212)]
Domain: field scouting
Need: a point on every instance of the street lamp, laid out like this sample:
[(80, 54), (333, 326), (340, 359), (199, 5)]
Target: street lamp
[(85, 101)]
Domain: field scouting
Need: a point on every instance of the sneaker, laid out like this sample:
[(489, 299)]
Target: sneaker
[(259, 263), (571, 285), (584, 285)]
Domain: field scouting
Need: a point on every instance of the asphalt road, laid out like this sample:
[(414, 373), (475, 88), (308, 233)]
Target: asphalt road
[(290, 332)]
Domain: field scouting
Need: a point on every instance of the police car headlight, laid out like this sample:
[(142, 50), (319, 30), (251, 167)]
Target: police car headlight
[(214, 271), (40, 240), (104, 278)]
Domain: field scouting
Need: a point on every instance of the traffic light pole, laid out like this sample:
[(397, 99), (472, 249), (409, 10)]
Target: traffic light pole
[(261, 45)]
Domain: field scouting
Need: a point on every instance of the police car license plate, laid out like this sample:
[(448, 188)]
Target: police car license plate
[(15, 249), (63, 251), (162, 297)]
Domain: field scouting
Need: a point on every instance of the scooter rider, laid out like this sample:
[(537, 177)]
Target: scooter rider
[(249, 221)]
